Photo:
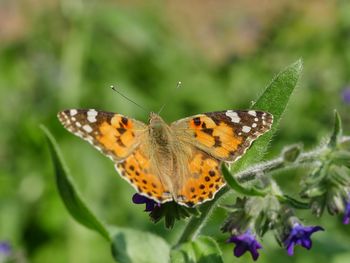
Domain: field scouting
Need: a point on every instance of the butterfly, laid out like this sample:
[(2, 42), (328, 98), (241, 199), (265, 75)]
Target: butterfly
[(178, 162)]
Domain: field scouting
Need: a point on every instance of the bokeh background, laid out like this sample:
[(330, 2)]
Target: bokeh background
[(61, 54)]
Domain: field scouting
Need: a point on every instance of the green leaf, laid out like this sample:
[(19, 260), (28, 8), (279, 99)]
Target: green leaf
[(273, 100), (68, 193), (203, 249), (337, 131), (133, 246)]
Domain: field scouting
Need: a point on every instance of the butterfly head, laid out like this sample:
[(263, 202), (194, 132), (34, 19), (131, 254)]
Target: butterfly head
[(155, 120)]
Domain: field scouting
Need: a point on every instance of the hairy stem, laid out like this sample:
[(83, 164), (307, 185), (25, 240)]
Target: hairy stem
[(196, 223), (253, 172)]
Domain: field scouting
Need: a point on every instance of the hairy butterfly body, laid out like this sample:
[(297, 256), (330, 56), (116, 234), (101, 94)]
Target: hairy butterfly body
[(178, 162)]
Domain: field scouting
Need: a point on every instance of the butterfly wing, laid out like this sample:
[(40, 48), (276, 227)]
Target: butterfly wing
[(113, 134), (201, 180), (121, 139), (140, 172), (225, 135), (214, 138)]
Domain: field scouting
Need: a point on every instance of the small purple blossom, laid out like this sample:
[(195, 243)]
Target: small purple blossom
[(300, 235), (150, 204), (346, 218), (245, 242), (346, 95), (5, 249)]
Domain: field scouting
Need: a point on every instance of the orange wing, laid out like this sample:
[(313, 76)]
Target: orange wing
[(137, 170), (113, 134), (120, 138), (203, 181), (225, 135)]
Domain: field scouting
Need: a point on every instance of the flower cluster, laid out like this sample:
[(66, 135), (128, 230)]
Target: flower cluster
[(328, 186), (262, 214)]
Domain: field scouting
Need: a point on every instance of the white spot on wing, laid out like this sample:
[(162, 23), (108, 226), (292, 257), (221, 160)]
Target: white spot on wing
[(246, 129), (79, 134), (78, 124), (251, 112), (91, 115), (87, 128), (73, 112), (233, 116), (256, 119), (254, 125)]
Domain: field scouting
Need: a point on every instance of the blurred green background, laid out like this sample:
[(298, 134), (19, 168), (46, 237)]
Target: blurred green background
[(62, 54)]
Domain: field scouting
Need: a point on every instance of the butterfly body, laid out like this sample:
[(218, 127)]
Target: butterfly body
[(178, 162)]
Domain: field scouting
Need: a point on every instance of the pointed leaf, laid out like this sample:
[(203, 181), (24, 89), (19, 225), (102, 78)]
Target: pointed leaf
[(337, 131), (68, 193), (273, 100)]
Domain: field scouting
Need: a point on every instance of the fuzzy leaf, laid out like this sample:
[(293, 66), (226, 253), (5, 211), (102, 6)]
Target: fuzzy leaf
[(68, 193), (133, 246), (273, 100), (202, 250)]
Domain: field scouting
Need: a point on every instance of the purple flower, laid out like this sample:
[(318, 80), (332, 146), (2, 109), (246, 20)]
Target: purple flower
[(245, 242), (300, 235), (140, 199), (5, 249), (346, 218), (346, 95)]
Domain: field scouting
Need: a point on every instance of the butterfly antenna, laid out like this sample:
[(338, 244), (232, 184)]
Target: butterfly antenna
[(125, 97), (161, 108)]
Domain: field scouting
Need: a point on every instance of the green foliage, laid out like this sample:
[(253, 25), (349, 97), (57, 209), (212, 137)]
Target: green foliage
[(203, 249), (69, 195), (133, 246), (273, 100)]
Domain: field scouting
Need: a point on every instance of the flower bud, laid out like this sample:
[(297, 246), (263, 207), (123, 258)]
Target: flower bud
[(291, 153)]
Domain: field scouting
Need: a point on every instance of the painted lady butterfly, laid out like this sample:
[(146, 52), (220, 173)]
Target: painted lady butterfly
[(178, 162)]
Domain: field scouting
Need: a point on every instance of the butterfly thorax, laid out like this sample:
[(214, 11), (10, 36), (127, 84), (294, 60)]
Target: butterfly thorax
[(159, 131)]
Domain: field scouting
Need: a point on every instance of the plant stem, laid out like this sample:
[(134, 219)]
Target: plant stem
[(196, 223), (253, 172)]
